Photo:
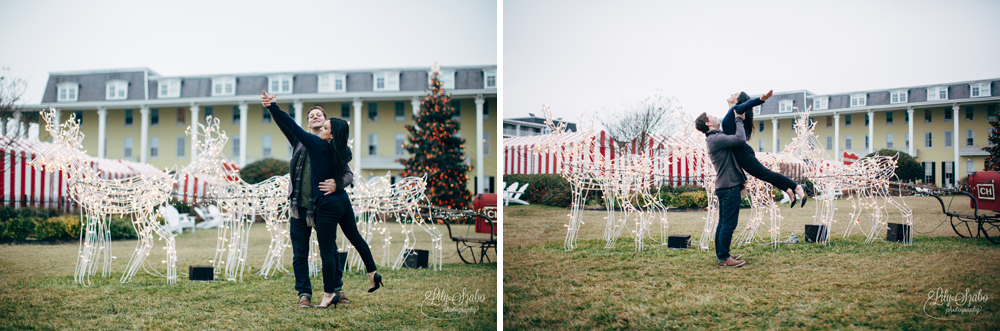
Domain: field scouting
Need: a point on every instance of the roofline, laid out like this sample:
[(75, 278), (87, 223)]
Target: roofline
[(353, 70), (228, 100), (540, 125), (851, 110), (102, 71), (891, 89)]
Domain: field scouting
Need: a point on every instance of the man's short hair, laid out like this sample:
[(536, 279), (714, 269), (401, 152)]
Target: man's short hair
[(317, 107), (701, 123)]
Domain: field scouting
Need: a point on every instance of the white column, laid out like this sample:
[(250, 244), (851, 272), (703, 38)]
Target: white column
[(954, 142), (479, 143), (58, 123), (913, 143), (297, 108), (102, 126), (144, 133), (243, 134), (774, 135), (357, 136), (836, 137), (517, 130), (16, 131), (195, 122), (415, 104), (871, 131)]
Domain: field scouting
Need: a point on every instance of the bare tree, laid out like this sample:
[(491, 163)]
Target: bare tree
[(642, 120), (14, 118)]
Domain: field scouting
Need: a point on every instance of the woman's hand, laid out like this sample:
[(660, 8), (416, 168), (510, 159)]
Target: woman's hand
[(267, 100), (767, 95), (328, 186)]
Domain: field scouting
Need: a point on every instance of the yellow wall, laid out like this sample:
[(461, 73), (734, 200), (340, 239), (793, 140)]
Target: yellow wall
[(937, 153)]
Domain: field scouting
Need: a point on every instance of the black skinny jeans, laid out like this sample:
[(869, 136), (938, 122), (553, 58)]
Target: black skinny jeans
[(300, 232), (748, 161), (328, 216)]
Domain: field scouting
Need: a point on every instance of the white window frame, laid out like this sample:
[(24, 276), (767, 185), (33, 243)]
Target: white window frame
[(331, 83), (280, 84), (389, 80), (977, 90), (889, 118), (970, 166), (829, 143), (154, 147), (889, 143), (785, 106), (236, 147), (173, 88), (266, 146), (372, 142), (898, 96), (859, 100), (447, 77), (934, 93), (947, 141), (928, 139), (821, 103), (400, 141), (116, 90), (486, 143), (848, 142), (760, 145), (181, 147), (970, 134), (756, 110), (486, 78), (71, 89), (127, 148), (398, 117), (219, 85)]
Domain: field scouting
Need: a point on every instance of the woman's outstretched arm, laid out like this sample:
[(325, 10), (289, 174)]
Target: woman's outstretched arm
[(749, 104), (287, 123)]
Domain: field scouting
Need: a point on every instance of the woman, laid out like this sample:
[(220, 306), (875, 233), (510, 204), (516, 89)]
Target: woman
[(328, 159), (740, 103)]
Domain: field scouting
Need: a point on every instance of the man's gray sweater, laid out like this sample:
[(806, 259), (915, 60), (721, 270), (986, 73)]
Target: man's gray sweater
[(720, 148)]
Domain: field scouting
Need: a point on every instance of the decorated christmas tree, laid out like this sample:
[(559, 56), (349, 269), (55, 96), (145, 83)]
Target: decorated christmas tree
[(993, 161), (436, 151)]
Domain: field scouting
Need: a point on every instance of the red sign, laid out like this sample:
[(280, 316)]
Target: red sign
[(850, 158)]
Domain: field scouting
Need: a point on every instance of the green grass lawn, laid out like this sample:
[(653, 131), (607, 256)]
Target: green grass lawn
[(848, 285), (37, 292)]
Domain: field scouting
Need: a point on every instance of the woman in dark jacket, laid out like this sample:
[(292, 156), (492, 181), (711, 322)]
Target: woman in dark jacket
[(328, 157), (740, 103)]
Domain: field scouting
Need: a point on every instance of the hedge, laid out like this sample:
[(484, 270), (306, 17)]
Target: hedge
[(20, 224)]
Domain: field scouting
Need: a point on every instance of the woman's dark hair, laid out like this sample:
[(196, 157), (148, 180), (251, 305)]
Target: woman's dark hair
[(339, 152), (748, 120)]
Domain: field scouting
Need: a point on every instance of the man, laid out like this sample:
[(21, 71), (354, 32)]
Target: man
[(729, 180), (301, 208)]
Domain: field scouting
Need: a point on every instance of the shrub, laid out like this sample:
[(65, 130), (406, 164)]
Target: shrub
[(260, 171), (121, 228), (744, 202), (777, 194), (696, 199), (17, 228), (558, 196), (60, 227), (808, 184), (182, 207), (907, 167), (539, 186)]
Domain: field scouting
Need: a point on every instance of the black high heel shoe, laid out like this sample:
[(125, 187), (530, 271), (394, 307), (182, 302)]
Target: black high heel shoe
[(807, 191), (334, 301), (794, 200), (378, 282)]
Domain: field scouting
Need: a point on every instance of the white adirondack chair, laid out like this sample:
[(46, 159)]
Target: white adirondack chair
[(213, 220), (508, 193), (516, 196), (176, 222)]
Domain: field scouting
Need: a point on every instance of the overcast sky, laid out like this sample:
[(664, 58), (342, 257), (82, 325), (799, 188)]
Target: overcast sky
[(206, 37), (588, 56)]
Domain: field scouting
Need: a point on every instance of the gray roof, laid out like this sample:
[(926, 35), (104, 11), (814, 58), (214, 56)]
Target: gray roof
[(92, 83), (880, 98)]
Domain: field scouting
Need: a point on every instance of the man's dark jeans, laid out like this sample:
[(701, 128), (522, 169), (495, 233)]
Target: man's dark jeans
[(299, 233), (729, 213)]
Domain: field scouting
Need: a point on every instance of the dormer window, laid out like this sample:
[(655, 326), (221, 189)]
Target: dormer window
[(117, 90), (385, 81), (280, 84), (820, 103), (223, 86), (756, 110), (898, 96), (859, 100), (979, 90), (785, 106), (332, 83), (169, 88), (67, 91), (446, 76), (937, 93), (491, 79)]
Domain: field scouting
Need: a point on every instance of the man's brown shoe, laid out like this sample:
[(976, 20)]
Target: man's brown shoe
[(731, 263), (736, 256), (305, 302)]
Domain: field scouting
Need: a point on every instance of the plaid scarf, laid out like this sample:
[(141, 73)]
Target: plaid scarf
[(298, 168)]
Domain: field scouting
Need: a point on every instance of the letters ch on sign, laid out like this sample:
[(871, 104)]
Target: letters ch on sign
[(985, 191)]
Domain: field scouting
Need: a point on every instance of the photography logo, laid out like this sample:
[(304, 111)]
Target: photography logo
[(941, 303), (439, 304)]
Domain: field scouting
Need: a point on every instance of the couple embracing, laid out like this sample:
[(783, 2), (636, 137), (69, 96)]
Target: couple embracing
[(319, 173), (731, 155)]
